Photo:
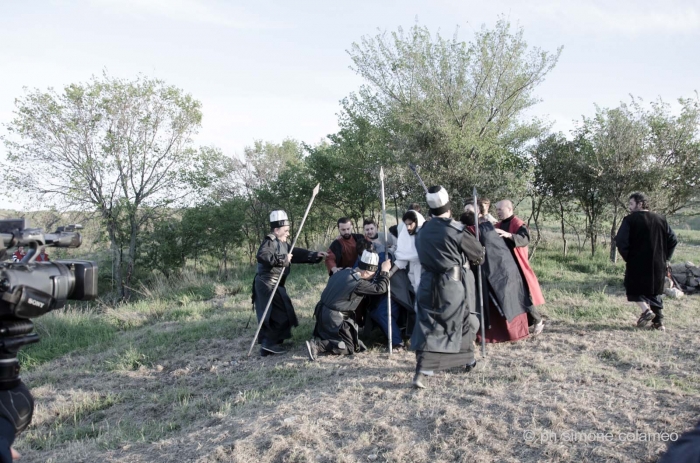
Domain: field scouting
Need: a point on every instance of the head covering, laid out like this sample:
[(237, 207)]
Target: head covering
[(406, 243), (438, 200), (369, 261), (278, 219)]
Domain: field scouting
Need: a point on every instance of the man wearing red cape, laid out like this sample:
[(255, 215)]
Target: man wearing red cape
[(516, 236)]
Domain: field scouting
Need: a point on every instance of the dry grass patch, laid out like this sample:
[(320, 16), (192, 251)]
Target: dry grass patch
[(178, 387)]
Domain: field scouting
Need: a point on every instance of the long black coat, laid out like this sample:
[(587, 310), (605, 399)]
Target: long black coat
[(645, 242), (501, 277), (446, 292), (273, 263)]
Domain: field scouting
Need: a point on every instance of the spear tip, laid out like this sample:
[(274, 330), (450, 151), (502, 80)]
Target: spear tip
[(318, 187), (381, 172)]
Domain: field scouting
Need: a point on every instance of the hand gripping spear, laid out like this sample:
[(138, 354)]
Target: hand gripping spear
[(478, 281), (277, 283), (386, 256)]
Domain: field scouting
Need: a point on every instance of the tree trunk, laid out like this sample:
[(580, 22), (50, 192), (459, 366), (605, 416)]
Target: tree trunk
[(536, 209), (396, 210), (225, 254), (613, 235), (126, 284), (116, 260), (563, 229)]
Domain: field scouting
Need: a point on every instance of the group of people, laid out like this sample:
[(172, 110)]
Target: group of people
[(432, 266), (19, 254)]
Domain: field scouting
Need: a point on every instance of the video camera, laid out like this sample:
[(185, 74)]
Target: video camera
[(29, 289)]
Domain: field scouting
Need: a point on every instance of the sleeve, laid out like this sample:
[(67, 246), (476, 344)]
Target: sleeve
[(622, 239), (521, 237), (267, 255), (472, 248), (304, 256), (368, 288), (330, 259), (671, 241)]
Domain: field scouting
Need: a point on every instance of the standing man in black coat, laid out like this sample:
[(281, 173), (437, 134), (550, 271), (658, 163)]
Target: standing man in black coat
[(646, 243), (274, 260), (445, 322)]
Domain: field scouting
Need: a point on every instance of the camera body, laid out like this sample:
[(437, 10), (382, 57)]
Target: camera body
[(30, 289)]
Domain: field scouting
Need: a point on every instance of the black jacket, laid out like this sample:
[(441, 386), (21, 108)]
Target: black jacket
[(446, 292), (645, 242)]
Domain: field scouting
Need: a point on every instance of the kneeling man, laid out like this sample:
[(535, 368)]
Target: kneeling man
[(336, 331)]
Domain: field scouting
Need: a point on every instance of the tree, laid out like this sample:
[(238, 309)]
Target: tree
[(454, 108), (675, 151), (621, 161), (553, 179), (120, 148)]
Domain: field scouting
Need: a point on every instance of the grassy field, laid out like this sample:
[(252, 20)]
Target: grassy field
[(167, 379)]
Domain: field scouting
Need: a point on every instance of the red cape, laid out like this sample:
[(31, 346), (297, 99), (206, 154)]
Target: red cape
[(524, 263)]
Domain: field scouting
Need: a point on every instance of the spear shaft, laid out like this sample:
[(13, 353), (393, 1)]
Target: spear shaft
[(478, 278), (386, 256)]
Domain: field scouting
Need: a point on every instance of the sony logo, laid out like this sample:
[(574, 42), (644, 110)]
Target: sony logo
[(35, 303)]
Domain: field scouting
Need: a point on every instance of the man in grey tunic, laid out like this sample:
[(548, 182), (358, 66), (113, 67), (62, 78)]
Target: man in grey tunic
[(336, 331), (274, 261), (446, 326)]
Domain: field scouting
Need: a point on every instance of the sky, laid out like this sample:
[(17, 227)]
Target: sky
[(270, 70)]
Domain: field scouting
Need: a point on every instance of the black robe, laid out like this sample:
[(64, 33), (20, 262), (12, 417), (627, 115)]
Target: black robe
[(446, 292), (501, 280), (273, 263), (646, 243)]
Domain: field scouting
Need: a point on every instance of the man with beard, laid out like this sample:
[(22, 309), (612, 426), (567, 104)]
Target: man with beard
[(505, 302), (406, 254), (516, 236), (336, 331), (445, 324), (274, 260), (342, 252), (646, 243), (372, 234), (378, 305)]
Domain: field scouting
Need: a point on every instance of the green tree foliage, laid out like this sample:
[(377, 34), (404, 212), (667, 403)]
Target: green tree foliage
[(116, 147), (674, 145), (616, 152), (454, 108)]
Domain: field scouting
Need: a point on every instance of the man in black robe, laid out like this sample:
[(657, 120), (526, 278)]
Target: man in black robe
[(336, 331), (505, 300), (516, 236), (445, 324), (274, 262), (646, 243)]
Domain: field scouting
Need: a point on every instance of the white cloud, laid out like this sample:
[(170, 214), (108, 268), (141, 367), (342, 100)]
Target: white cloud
[(192, 11)]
